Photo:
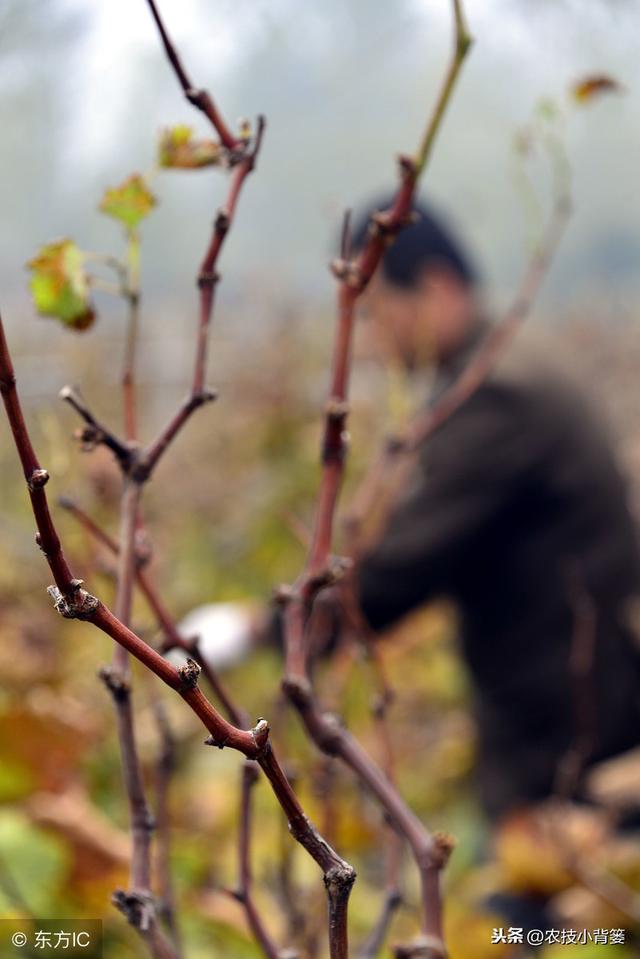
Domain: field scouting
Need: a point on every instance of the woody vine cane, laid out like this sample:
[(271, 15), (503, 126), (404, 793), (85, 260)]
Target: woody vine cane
[(321, 569), (137, 465), (137, 468), (74, 602), (431, 853)]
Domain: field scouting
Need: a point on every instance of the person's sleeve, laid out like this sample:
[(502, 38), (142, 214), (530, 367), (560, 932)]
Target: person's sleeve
[(467, 474)]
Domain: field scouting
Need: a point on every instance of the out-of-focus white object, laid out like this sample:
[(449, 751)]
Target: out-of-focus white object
[(225, 632)]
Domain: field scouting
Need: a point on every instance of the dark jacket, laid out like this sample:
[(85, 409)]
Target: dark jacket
[(519, 513)]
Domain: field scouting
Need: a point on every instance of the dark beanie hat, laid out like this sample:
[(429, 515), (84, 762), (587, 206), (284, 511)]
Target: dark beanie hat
[(418, 244)]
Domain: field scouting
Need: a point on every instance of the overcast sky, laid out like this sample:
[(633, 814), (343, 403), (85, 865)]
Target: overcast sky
[(345, 85)]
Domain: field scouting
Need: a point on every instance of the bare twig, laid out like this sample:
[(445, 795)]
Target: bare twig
[(463, 42), (476, 372), (74, 602), (287, 889), (383, 699), (244, 894), (422, 948), (137, 467), (388, 467), (171, 430), (374, 942), (164, 771), (97, 433), (172, 638), (132, 293), (431, 853), (345, 242), (243, 155), (353, 278), (141, 463), (207, 280), (117, 678), (199, 98), (393, 458), (394, 844)]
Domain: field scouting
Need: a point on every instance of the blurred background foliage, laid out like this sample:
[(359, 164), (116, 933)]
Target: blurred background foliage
[(84, 92)]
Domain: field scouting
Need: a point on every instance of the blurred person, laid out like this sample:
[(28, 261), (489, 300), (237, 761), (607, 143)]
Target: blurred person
[(518, 512)]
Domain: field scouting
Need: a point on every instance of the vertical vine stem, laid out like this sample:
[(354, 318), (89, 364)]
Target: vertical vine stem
[(353, 278), (165, 768), (244, 891), (207, 282), (394, 844), (72, 601), (463, 41), (138, 903), (208, 278), (137, 466), (132, 296), (199, 98), (172, 639), (385, 476), (430, 852), (338, 875)]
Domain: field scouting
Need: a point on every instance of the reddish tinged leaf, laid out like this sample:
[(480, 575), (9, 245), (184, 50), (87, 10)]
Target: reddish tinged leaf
[(60, 286), (592, 86), (130, 202), (178, 150)]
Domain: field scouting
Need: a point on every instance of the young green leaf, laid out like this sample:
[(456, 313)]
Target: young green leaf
[(178, 150), (130, 202), (60, 285)]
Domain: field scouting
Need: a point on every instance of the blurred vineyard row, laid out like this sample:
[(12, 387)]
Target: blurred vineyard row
[(227, 518)]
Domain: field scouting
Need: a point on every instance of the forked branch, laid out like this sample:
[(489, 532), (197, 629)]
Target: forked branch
[(199, 98), (353, 275), (172, 639), (74, 602)]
